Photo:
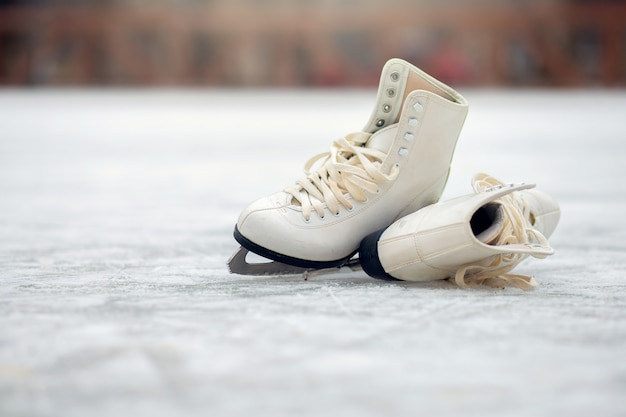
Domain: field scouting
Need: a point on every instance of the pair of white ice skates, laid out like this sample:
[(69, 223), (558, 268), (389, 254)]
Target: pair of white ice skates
[(376, 193)]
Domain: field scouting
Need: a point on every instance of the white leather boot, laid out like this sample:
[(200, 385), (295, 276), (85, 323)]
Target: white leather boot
[(398, 164), (475, 239)]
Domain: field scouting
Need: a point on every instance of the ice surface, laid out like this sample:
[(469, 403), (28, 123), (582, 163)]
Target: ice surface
[(116, 217)]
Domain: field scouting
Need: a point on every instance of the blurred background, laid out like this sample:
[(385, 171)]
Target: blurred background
[(302, 43)]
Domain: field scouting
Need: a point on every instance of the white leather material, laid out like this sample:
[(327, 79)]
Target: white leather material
[(545, 211), (435, 241), (398, 79), (419, 146)]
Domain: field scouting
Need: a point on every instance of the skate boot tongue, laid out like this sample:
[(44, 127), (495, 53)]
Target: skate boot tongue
[(350, 170), (382, 139), (487, 223)]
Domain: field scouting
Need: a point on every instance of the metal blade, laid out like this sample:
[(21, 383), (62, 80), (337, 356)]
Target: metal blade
[(237, 264)]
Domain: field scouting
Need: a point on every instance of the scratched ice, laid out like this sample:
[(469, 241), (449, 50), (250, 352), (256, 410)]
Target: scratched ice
[(116, 214)]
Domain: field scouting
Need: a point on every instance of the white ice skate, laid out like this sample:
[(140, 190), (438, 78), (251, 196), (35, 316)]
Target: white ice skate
[(398, 164), (475, 239)]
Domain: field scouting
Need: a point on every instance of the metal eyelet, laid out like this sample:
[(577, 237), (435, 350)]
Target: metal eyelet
[(395, 76), (380, 122), (391, 92), (386, 108)]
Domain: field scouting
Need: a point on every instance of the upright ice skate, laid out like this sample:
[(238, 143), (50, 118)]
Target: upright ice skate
[(475, 239), (396, 165)]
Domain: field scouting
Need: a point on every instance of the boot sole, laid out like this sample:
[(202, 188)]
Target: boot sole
[(368, 255), (279, 257)]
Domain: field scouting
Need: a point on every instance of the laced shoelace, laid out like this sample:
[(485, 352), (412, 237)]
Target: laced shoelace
[(516, 229), (348, 168)]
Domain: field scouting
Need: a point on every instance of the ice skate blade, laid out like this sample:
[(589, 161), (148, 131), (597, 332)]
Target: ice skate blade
[(237, 264)]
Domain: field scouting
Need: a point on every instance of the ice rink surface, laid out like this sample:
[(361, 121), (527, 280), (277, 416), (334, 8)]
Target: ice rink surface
[(116, 217)]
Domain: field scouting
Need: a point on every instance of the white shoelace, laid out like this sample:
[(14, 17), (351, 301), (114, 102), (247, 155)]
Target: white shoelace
[(349, 168), (516, 229)]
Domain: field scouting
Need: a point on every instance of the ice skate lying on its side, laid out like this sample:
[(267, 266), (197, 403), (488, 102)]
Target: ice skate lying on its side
[(398, 164), (474, 239)]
